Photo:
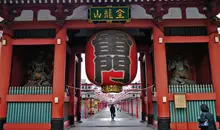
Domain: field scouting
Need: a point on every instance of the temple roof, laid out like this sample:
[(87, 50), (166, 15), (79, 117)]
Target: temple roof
[(48, 9), (170, 2)]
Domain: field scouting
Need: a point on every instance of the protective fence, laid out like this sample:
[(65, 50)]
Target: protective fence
[(29, 112), (30, 90), (194, 88), (191, 112)]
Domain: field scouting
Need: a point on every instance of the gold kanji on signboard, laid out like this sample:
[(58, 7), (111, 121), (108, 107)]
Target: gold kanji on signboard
[(97, 14), (108, 14), (120, 14)]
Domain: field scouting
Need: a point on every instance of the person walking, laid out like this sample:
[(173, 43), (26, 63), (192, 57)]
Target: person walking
[(112, 110), (206, 119)]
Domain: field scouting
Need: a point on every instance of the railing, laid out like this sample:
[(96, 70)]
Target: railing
[(191, 113), (30, 112), (191, 88), (27, 90)]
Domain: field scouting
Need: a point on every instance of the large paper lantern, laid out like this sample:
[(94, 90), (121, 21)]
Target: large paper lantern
[(111, 60)]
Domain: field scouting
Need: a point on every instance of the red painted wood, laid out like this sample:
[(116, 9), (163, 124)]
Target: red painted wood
[(34, 25), (135, 23), (29, 98), (214, 52), (59, 75), (85, 108), (78, 85), (161, 80), (196, 96), (186, 39), (186, 126), (5, 72), (27, 126), (71, 82), (149, 82), (185, 22), (36, 41)]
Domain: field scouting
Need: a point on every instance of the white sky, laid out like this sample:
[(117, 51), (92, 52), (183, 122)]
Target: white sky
[(83, 71)]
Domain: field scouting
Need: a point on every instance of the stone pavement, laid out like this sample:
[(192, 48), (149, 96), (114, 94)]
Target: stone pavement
[(103, 121)]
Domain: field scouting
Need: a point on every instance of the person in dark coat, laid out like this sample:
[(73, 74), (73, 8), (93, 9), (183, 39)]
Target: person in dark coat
[(207, 116), (112, 110)]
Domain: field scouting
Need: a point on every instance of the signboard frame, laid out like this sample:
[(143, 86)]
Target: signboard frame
[(113, 20), (180, 100)]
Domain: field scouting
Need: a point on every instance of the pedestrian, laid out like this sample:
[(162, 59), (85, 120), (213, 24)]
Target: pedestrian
[(112, 110), (206, 119)]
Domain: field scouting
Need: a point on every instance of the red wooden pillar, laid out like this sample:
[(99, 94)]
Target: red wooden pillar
[(149, 82), (123, 106), (131, 106), (128, 106), (161, 80), (85, 108), (57, 122), (137, 114), (5, 72), (214, 53), (78, 86), (143, 86), (71, 83), (90, 107)]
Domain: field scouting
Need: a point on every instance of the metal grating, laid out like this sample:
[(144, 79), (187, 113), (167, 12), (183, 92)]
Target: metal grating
[(35, 33), (185, 31)]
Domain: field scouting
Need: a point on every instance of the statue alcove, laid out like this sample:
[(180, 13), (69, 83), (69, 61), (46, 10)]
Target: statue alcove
[(194, 57), (26, 64)]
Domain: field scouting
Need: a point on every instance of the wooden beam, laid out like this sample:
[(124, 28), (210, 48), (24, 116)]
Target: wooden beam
[(34, 25), (186, 39), (185, 22), (29, 98), (84, 24), (26, 126), (196, 96), (34, 41)]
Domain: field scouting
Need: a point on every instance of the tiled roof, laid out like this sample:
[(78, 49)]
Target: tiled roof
[(94, 1)]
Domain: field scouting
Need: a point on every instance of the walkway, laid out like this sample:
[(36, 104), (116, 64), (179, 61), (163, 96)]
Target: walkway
[(102, 121)]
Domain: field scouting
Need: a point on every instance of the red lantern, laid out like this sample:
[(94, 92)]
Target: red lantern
[(111, 59)]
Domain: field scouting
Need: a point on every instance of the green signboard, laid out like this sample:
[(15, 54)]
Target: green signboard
[(109, 13)]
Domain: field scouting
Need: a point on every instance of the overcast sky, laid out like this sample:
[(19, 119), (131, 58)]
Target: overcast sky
[(83, 72)]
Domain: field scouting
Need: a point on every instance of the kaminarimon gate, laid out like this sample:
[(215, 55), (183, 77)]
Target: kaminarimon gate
[(42, 43)]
